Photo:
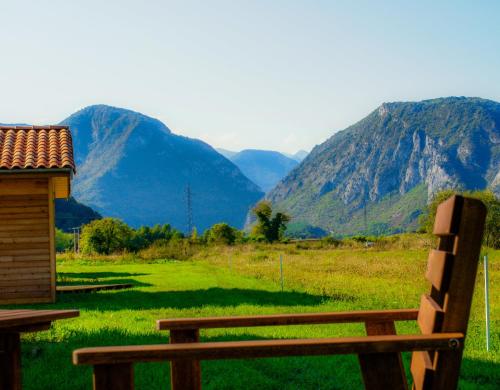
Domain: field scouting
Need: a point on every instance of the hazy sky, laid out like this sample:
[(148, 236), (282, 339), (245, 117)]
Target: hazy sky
[(280, 75)]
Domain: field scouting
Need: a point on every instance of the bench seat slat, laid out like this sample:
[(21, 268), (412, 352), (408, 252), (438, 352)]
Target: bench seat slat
[(288, 319), (266, 348)]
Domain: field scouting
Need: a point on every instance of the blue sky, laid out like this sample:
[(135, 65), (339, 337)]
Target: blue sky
[(281, 75)]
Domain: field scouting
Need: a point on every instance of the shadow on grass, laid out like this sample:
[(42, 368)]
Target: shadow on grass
[(184, 299), (91, 282), (270, 373)]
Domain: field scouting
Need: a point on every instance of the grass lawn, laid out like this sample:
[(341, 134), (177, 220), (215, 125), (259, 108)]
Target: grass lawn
[(315, 280)]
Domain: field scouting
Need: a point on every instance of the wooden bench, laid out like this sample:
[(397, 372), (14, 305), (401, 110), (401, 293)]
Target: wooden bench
[(12, 324), (437, 351)]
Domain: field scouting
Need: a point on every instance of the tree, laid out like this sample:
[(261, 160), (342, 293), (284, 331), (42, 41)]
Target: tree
[(270, 227), (106, 236), (64, 241), (221, 233), (492, 203)]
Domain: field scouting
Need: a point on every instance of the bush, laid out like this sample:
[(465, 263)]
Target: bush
[(175, 248), (221, 233), (64, 241), (145, 236), (106, 236), (492, 203)]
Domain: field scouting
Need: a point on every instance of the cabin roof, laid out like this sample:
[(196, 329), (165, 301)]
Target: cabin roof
[(36, 147)]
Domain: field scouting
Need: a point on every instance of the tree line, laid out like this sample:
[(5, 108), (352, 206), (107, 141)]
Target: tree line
[(111, 235)]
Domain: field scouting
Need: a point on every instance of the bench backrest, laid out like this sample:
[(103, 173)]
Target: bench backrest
[(451, 270)]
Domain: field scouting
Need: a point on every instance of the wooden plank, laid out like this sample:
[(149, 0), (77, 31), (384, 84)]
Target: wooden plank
[(421, 370), (439, 269), (457, 305), (24, 277), (21, 265), (19, 301), (25, 233), (25, 294), (288, 319), (31, 317), (24, 240), (22, 199), (430, 315), (24, 257), (43, 269), (25, 288), (42, 210), (61, 187), (22, 190), (25, 221), (113, 377), (390, 364), (448, 216), (265, 348), (19, 228), (10, 361), (25, 282), (185, 374), (52, 239), (21, 252), (23, 245), (15, 207)]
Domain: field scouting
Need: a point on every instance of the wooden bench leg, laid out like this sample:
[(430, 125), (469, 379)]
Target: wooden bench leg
[(382, 370), (185, 374), (10, 361), (114, 376)]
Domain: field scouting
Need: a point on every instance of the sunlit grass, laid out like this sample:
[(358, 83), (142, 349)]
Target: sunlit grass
[(245, 280)]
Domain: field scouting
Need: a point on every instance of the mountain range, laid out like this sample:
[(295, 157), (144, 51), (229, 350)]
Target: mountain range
[(374, 177), (133, 167), (377, 175), (264, 167)]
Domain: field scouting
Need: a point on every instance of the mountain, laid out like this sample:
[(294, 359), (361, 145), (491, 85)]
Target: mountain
[(70, 214), (264, 167), (299, 156), (226, 153), (133, 167), (376, 176)]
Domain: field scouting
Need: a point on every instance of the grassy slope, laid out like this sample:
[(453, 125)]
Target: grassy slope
[(392, 214), (337, 280)]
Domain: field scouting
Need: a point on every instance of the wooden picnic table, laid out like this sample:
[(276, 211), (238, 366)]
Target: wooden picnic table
[(12, 324)]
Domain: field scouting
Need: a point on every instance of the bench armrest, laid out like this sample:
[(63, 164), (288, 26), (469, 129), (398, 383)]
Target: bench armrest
[(288, 319), (267, 348)]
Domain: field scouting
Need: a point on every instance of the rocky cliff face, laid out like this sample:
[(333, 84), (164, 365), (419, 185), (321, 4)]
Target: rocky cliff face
[(401, 151), (133, 167)]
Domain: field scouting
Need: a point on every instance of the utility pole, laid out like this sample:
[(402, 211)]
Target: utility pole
[(189, 209), (76, 239)]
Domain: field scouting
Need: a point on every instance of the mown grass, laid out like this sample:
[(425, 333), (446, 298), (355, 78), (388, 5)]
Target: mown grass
[(245, 280)]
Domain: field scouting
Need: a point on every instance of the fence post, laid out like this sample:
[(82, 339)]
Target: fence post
[(281, 271), (486, 301)]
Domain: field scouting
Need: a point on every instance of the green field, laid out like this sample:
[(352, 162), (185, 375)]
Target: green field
[(245, 280)]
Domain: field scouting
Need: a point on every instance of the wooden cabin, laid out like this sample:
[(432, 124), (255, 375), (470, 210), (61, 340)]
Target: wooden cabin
[(36, 167)]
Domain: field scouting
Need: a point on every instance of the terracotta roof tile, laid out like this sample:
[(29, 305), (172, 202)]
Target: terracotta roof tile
[(35, 147)]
